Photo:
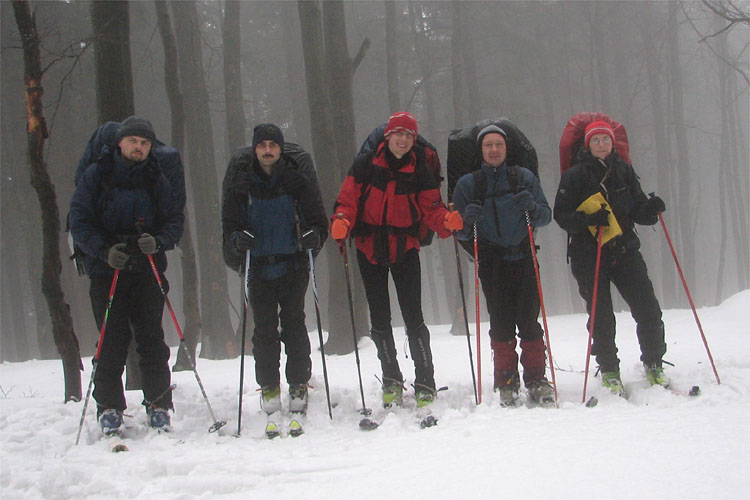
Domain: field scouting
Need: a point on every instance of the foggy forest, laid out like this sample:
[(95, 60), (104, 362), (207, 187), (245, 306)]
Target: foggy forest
[(675, 74)]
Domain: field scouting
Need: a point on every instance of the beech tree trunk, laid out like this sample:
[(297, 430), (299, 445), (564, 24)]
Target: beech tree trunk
[(36, 130)]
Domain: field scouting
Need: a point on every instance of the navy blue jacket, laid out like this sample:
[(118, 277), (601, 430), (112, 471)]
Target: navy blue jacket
[(503, 224), (268, 206), (110, 199)]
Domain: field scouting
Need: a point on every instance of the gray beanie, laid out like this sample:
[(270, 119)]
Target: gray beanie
[(490, 129), (138, 126)]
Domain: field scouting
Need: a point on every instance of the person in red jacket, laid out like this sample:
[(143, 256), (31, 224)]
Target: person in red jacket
[(385, 196)]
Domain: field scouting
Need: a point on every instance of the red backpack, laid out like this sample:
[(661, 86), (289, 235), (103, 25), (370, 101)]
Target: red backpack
[(571, 141)]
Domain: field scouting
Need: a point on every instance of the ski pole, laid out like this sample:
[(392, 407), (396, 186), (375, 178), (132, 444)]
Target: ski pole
[(476, 297), (320, 331), (365, 410), (541, 303), (690, 298), (246, 305), (95, 362), (466, 316), (218, 424), (593, 308)]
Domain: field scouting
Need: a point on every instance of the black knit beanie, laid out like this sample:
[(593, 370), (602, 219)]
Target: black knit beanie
[(267, 132), (138, 126)]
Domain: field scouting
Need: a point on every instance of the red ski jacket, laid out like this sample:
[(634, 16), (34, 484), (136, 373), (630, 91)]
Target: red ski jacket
[(384, 199)]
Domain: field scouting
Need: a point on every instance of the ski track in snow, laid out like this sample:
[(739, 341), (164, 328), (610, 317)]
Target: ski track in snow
[(655, 445)]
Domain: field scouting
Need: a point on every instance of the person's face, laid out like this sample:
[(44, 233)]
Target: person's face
[(134, 148), (494, 149), (600, 146), (268, 153), (400, 143)]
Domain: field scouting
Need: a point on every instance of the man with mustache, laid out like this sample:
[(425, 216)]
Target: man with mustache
[(272, 213)]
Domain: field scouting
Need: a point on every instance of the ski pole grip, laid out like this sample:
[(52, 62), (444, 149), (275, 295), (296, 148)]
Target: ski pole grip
[(451, 207)]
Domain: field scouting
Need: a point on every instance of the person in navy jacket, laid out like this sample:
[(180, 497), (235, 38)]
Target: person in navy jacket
[(123, 210)]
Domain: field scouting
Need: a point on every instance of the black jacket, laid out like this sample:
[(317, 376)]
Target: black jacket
[(618, 183), (271, 215)]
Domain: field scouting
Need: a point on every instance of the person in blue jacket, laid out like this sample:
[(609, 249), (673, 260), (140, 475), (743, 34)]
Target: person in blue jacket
[(273, 211), (506, 266), (124, 209)]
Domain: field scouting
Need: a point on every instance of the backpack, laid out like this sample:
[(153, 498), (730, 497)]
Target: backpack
[(294, 154), (571, 142), (432, 160), (101, 142), (464, 156)]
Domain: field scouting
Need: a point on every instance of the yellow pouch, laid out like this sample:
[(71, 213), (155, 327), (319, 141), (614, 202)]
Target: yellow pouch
[(593, 204)]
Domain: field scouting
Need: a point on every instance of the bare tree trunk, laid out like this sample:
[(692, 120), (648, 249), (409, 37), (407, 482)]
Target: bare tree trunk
[(685, 215), (233, 101), (661, 144), (294, 61), (391, 60), (218, 337), (36, 129), (110, 21), (190, 304), (472, 80)]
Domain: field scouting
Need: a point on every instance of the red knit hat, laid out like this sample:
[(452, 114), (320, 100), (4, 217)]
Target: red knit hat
[(401, 122), (595, 128)]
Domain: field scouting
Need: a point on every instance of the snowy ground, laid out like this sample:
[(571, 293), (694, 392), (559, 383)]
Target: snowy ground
[(657, 445)]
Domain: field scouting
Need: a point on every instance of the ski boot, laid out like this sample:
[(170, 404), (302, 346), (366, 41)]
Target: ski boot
[(541, 392), (158, 418), (425, 396), (297, 409), (110, 422), (270, 402), (612, 381), (507, 384), (656, 376), (393, 391)]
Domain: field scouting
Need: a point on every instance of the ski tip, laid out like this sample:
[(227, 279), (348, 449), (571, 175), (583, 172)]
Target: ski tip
[(694, 391), (367, 424), (119, 447), (592, 402), (428, 421), (217, 425)]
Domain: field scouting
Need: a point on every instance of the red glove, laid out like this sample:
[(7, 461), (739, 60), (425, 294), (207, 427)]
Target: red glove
[(453, 221), (340, 228)]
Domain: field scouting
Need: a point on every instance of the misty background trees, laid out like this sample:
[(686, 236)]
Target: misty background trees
[(676, 74)]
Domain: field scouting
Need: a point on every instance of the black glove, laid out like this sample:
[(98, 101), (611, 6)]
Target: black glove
[(474, 212), (655, 205), (600, 218), (116, 256), (525, 201), (148, 244), (243, 240), (310, 239)]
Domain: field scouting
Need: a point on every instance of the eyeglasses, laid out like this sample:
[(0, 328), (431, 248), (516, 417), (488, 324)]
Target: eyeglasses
[(601, 140)]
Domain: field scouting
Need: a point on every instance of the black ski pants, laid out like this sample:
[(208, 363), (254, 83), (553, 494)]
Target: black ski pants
[(407, 278), (512, 297), (136, 311), (281, 300), (625, 269)]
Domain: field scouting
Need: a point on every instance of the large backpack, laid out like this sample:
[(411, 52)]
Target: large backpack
[(101, 142), (426, 235), (293, 153), (571, 142), (465, 156)]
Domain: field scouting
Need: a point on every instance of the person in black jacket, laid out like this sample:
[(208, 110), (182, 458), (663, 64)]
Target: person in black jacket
[(272, 211), (122, 211), (599, 169)]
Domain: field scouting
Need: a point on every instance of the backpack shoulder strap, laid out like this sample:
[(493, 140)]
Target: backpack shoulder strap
[(514, 178), (480, 185)]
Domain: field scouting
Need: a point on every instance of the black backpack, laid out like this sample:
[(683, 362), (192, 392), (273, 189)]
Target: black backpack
[(464, 156)]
